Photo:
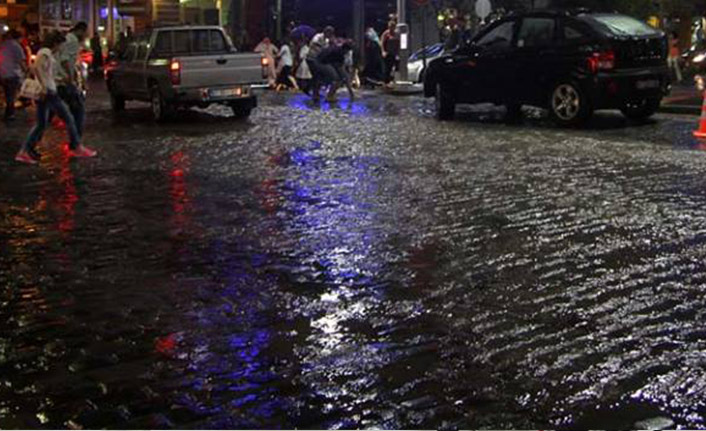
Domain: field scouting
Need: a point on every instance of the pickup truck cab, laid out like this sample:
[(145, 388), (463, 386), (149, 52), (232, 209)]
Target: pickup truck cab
[(181, 67)]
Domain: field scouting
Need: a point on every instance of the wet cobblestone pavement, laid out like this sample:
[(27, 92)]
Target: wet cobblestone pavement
[(360, 265)]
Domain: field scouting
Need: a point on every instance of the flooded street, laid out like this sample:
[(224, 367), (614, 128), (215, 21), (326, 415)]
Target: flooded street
[(354, 266)]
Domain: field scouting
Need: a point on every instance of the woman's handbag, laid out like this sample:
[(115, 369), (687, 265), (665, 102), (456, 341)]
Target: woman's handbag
[(31, 89)]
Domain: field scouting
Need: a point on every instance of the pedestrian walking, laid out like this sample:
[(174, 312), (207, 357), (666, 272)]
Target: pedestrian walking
[(674, 56), (374, 70), (269, 51), (303, 73), (97, 50), (285, 64), (13, 66), (391, 51), (45, 70), (334, 57), (321, 74), (68, 78)]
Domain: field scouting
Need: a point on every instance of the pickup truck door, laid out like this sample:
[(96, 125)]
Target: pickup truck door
[(132, 71), (138, 79), (121, 74)]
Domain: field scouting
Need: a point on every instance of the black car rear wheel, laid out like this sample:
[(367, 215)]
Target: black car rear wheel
[(445, 104), (568, 105), (641, 110), (514, 112)]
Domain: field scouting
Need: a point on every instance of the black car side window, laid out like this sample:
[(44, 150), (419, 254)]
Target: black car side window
[(498, 38), (572, 33), (536, 32)]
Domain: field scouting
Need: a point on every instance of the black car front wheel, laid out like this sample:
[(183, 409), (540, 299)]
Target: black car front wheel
[(445, 104), (568, 105), (642, 109)]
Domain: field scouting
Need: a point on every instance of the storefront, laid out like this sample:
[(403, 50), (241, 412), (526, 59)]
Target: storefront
[(18, 13), (205, 12), (63, 14)]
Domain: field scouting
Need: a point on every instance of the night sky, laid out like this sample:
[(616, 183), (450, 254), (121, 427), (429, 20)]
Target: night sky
[(319, 13)]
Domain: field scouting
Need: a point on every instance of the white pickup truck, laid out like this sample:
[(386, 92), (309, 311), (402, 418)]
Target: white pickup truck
[(185, 66)]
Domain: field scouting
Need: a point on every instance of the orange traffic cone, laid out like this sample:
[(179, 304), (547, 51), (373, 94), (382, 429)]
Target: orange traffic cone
[(701, 133)]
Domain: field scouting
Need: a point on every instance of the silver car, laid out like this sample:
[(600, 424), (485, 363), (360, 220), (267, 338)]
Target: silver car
[(415, 65)]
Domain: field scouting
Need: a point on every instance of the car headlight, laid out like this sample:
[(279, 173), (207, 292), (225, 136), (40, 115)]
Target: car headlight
[(699, 58)]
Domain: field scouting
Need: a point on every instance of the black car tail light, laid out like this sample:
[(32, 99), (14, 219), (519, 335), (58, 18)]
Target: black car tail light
[(601, 61)]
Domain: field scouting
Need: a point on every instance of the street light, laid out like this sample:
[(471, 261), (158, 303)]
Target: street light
[(403, 32)]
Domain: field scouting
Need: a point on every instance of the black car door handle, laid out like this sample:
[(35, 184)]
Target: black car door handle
[(221, 61)]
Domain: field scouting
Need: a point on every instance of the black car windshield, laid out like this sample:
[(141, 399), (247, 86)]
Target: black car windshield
[(620, 25)]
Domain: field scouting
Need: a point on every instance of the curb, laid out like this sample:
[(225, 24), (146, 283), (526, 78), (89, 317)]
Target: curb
[(681, 109)]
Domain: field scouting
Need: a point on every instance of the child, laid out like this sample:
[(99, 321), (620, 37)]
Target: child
[(286, 62), (303, 72)]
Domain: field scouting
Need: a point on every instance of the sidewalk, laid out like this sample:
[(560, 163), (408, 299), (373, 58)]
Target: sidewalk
[(684, 99)]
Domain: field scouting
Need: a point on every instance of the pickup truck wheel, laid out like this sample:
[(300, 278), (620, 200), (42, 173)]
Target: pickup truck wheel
[(117, 102), (641, 110), (240, 111), (160, 110), (445, 105), (568, 105)]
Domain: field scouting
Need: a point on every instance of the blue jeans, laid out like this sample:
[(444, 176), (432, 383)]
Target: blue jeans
[(51, 103), (76, 103), (11, 86)]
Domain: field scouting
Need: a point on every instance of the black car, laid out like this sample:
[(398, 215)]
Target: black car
[(570, 64)]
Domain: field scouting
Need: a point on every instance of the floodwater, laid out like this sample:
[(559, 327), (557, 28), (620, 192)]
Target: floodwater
[(354, 266)]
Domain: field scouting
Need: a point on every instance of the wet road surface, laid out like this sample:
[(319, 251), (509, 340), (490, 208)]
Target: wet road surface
[(354, 266)]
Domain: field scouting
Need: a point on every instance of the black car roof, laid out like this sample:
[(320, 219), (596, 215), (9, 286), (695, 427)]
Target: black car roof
[(560, 12)]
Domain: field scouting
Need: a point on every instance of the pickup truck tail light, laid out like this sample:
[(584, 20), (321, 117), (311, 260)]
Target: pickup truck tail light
[(175, 72), (601, 61)]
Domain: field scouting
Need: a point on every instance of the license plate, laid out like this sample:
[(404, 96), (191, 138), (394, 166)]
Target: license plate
[(226, 92), (650, 83)]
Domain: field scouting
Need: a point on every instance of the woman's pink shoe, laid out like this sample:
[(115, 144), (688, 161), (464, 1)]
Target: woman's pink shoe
[(83, 151)]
